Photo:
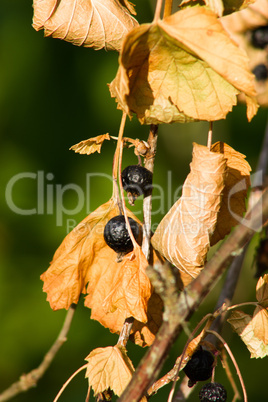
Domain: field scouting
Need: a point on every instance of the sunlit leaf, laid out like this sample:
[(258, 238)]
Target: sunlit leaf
[(220, 7), (260, 324), (236, 185), (109, 367), (262, 291), (184, 67), (68, 273), (183, 235), (91, 23), (111, 301), (242, 324), (91, 145)]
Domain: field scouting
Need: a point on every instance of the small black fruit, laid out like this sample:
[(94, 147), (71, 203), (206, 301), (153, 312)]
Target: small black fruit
[(259, 37), (199, 367), (260, 72), (116, 234), (136, 180), (213, 392)]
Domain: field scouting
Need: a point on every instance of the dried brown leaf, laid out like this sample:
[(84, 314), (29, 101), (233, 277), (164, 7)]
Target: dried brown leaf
[(105, 278), (109, 367), (260, 324), (67, 275), (262, 291), (221, 7), (91, 23), (182, 236), (242, 324), (91, 145), (182, 68), (236, 185)]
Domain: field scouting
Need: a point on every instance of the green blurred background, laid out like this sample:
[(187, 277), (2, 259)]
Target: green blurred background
[(53, 95)]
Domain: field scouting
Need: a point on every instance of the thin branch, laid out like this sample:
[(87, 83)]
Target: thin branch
[(147, 202), (234, 362), (181, 306), (226, 367), (30, 379), (125, 332)]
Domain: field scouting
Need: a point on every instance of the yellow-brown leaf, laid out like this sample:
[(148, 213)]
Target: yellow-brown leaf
[(91, 145), (67, 275), (104, 279), (109, 367), (91, 23), (262, 291), (260, 324), (220, 7), (242, 324), (182, 68), (183, 234), (236, 185)]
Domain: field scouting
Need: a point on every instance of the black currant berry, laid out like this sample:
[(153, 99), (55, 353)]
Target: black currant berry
[(116, 234), (136, 180), (260, 72), (213, 391), (199, 367), (259, 37)]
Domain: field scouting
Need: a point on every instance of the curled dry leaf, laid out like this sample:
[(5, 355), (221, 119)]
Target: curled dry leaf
[(109, 367), (236, 185), (91, 145), (243, 325), (182, 68), (183, 235), (260, 324), (262, 291), (91, 23), (212, 202), (221, 7)]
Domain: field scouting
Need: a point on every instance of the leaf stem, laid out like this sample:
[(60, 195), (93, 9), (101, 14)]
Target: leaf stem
[(233, 360), (158, 8), (116, 156), (168, 8), (209, 142), (242, 305), (68, 382), (147, 202), (30, 379)]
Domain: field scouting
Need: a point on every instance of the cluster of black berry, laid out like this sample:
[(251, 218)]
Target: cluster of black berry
[(199, 368), (259, 39), (136, 180), (213, 392)]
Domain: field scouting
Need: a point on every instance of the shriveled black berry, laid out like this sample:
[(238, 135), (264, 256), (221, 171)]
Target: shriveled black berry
[(136, 180), (260, 72), (213, 392), (199, 367), (116, 234), (259, 37)]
